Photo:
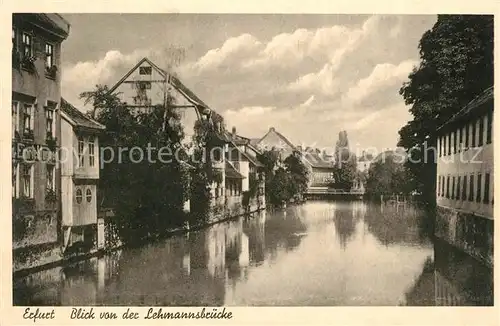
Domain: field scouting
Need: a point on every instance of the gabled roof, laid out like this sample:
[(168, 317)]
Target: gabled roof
[(77, 118), (231, 172), (273, 130), (251, 158), (171, 79)]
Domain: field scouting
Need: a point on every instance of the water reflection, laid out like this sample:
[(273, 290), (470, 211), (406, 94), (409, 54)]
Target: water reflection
[(320, 253)]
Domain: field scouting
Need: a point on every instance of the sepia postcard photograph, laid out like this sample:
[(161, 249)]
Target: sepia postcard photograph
[(227, 160)]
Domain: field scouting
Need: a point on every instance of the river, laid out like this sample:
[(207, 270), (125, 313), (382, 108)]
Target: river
[(317, 254)]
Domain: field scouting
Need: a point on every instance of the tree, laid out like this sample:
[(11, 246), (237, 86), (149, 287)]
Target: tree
[(345, 161), (456, 65), (387, 177), (136, 186), (298, 174), (283, 181)]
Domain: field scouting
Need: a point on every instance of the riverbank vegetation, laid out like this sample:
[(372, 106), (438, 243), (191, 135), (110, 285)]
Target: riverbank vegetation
[(145, 205), (286, 180), (387, 177)]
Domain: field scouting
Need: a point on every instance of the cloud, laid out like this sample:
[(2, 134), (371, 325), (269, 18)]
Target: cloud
[(382, 76), (308, 83), (233, 48)]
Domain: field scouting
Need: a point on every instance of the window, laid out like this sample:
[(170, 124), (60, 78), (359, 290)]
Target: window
[(453, 188), (91, 152), (27, 180), (438, 187), (88, 195), (27, 45), (473, 140), (144, 70), (448, 187), (50, 177), (478, 189), (449, 144), (28, 118), (14, 40), (442, 186), (489, 127), (444, 146), (467, 136), (49, 121), (471, 188), (15, 119), (464, 188), (15, 181), (481, 132), (80, 152), (486, 198), (458, 188), (49, 55), (79, 195), (460, 139), (454, 135), (144, 85)]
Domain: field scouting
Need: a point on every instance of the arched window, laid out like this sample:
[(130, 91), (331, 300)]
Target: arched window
[(79, 196), (88, 194)]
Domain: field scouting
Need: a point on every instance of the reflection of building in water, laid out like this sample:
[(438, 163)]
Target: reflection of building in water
[(461, 279), (255, 230), (216, 250), (446, 293), (41, 288), (345, 226), (80, 284), (422, 293)]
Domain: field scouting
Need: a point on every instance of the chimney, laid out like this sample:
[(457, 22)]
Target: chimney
[(234, 132)]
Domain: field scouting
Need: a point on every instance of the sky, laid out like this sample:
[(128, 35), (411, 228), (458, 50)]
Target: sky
[(308, 76)]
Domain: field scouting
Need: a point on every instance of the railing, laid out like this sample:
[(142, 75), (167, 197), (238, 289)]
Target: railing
[(329, 191)]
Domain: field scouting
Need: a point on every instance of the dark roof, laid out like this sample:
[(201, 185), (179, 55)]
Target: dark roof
[(318, 160), (253, 159), (232, 173), (51, 22), (485, 97), (365, 157), (78, 118)]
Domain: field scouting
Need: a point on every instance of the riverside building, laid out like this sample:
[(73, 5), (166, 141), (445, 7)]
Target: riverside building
[(36, 94), (464, 191)]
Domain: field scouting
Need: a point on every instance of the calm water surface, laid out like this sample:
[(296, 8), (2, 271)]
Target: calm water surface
[(319, 253)]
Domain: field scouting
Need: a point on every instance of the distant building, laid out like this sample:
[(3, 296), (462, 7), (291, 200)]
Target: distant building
[(320, 164), (464, 188), (79, 178), (36, 92), (243, 157), (363, 162)]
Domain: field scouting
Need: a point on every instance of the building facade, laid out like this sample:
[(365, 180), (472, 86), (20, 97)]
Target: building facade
[(36, 134), (464, 187), (320, 165), (79, 179)]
